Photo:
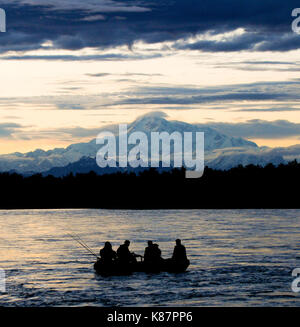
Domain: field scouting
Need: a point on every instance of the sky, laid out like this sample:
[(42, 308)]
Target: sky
[(68, 67)]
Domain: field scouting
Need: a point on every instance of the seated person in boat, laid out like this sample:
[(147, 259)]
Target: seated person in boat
[(148, 252), (152, 253), (124, 255), (179, 254), (107, 254), (156, 253)]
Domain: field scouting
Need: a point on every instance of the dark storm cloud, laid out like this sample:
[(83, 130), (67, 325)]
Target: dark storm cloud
[(74, 25), (259, 129), (251, 41), (241, 42)]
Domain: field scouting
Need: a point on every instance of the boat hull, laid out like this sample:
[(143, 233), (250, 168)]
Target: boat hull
[(119, 269)]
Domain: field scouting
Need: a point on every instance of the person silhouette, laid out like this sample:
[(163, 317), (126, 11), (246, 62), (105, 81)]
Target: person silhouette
[(156, 253), (107, 254), (148, 252), (124, 254), (152, 253), (179, 253)]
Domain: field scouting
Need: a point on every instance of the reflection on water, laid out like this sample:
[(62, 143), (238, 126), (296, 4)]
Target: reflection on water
[(238, 257)]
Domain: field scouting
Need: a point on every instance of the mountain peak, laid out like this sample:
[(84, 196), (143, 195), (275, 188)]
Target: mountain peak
[(155, 121)]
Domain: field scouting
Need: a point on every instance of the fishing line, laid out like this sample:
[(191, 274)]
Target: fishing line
[(82, 243)]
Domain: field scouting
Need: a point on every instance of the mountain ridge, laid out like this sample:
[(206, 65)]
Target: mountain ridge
[(221, 151)]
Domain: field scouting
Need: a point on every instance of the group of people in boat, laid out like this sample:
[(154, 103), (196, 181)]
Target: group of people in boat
[(152, 253)]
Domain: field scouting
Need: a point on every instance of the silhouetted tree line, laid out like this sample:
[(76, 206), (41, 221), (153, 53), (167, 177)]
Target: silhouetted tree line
[(240, 187)]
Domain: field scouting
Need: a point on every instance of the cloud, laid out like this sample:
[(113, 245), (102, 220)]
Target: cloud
[(248, 41), (154, 114), (239, 97), (99, 75), (69, 106), (271, 109), (277, 66), (190, 100), (175, 95), (251, 129), (106, 6), (260, 129), (8, 129), (104, 57), (79, 132), (67, 134), (124, 74), (93, 18), (245, 41), (76, 24)]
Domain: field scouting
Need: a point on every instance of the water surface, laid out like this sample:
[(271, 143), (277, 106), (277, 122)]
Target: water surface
[(238, 257)]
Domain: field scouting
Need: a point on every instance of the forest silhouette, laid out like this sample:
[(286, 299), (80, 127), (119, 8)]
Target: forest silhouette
[(240, 187)]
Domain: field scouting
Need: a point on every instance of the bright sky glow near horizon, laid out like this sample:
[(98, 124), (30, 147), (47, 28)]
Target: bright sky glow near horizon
[(67, 70)]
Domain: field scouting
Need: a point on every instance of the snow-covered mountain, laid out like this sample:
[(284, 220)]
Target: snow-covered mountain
[(221, 151), (224, 159), (157, 122)]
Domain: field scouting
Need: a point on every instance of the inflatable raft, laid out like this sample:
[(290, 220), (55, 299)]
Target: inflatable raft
[(117, 268)]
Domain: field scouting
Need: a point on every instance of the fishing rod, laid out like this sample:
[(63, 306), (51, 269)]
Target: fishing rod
[(81, 240), (82, 243)]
